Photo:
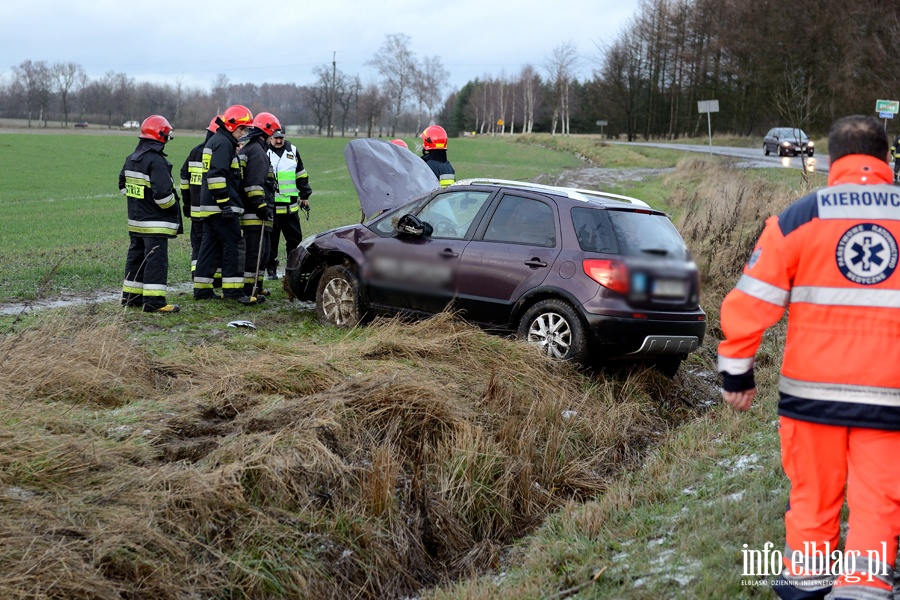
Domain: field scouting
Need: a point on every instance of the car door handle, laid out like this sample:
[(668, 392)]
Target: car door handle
[(448, 253), (535, 262)]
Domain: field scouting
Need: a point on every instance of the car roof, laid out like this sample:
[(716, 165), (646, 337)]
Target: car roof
[(582, 195)]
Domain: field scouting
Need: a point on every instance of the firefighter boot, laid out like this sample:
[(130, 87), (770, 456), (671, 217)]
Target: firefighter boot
[(272, 271), (168, 308)]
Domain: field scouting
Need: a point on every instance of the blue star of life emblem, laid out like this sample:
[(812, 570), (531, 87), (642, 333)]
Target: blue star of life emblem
[(867, 254)]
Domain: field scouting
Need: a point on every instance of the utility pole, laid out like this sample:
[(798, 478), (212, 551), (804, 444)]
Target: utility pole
[(333, 84)]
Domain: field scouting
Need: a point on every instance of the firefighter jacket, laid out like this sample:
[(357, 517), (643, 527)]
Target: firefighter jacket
[(831, 259), (146, 181), (221, 181), (443, 170), (258, 184), (293, 181), (895, 149), (192, 178)]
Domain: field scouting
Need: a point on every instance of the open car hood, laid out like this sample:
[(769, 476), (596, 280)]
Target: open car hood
[(385, 175)]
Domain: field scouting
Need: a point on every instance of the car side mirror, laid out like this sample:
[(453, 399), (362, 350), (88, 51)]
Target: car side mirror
[(411, 226)]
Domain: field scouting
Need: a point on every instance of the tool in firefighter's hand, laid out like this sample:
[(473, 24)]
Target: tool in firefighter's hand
[(305, 208)]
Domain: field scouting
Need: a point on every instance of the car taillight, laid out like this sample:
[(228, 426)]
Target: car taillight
[(611, 274)]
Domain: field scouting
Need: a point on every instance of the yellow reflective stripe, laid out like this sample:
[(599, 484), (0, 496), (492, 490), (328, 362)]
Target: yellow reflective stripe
[(166, 202), (207, 156), (130, 289)]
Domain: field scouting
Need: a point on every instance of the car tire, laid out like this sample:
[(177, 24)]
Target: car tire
[(556, 328), (337, 297), (766, 149), (668, 365), (780, 152), (811, 153)]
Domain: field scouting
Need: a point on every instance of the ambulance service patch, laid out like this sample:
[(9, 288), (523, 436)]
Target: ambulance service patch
[(867, 254)]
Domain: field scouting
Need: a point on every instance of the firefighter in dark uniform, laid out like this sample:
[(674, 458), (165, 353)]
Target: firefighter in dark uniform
[(293, 183), (221, 206), (895, 153), (434, 153), (191, 179), (153, 218), (259, 194)]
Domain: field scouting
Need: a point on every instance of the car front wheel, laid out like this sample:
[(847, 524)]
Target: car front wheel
[(811, 152), (337, 297), (766, 149), (554, 326)]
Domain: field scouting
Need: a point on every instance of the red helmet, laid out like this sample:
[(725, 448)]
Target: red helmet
[(156, 127), (399, 142), (213, 126), (237, 116), (267, 122), (434, 138)]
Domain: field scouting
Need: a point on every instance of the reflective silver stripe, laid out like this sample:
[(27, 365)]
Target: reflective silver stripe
[(137, 175), (212, 180), (857, 201), (208, 280), (763, 291), (153, 224), (865, 565), (132, 283), (302, 173), (165, 202), (840, 392), (735, 366), (830, 296), (155, 286), (195, 165)]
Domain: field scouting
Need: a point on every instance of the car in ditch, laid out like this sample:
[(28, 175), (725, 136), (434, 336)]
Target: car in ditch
[(788, 140), (583, 274)]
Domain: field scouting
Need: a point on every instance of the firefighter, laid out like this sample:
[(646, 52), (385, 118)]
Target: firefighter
[(293, 184), (434, 153), (259, 194), (221, 206), (830, 259), (191, 179), (895, 153), (401, 143), (154, 217)]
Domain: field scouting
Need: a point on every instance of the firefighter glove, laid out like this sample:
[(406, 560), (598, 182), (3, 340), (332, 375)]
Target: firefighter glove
[(227, 212), (186, 210), (263, 212)]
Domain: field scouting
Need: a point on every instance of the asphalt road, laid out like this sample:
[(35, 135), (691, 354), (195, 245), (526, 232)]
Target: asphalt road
[(748, 157)]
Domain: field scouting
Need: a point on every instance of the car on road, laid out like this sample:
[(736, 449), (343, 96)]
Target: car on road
[(583, 274), (788, 140), (81, 124), (131, 125)]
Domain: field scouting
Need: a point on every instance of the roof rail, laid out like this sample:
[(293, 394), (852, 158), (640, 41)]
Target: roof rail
[(574, 193)]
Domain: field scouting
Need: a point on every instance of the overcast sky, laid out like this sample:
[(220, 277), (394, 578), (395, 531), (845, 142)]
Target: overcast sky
[(265, 41)]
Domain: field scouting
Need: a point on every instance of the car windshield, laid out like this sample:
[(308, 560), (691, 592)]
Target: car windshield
[(794, 133), (627, 232)]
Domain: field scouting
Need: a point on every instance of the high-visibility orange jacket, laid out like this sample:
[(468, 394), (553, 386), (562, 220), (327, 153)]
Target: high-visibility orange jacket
[(831, 260)]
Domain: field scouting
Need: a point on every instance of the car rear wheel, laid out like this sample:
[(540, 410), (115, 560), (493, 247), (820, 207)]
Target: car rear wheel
[(766, 149), (337, 297), (554, 326), (668, 365)]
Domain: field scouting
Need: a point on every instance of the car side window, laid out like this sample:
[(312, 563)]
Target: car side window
[(594, 230), (451, 214), (519, 220)]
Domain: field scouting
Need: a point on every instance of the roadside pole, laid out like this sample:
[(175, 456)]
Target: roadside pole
[(708, 107)]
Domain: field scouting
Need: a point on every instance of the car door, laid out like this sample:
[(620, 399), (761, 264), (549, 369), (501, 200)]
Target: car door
[(419, 274), (512, 253)]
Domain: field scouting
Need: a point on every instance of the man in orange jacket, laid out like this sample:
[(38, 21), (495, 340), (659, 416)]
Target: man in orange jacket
[(831, 258)]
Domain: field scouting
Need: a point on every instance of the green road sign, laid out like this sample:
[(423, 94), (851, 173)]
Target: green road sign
[(887, 106)]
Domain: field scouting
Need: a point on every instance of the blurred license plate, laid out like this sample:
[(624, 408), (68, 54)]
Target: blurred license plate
[(670, 287)]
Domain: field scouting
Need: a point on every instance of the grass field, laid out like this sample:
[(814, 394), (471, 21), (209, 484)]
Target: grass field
[(63, 219), (171, 456)]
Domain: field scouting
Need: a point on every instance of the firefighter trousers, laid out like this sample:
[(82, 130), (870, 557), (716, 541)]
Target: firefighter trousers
[(146, 272), (822, 461), (221, 238)]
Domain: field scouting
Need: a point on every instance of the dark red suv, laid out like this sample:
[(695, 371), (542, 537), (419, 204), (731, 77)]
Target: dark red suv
[(581, 273)]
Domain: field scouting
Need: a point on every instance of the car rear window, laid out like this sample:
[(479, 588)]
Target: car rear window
[(627, 232)]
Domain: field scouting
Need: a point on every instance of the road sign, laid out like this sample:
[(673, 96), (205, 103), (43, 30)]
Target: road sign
[(886, 115), (708, 106), (887, 106), (602, 123)]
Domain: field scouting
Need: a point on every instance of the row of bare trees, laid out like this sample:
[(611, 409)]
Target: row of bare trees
[(768, 63)]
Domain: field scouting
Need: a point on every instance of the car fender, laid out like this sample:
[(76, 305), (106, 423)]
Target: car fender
[(537, 294)]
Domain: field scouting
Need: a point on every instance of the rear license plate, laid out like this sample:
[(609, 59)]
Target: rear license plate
[(671, 288)]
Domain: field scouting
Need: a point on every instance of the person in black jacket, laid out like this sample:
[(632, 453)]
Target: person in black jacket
[(154, 218), (221, 206), (895, 154), (259, 198), (191, 180), (434, 153)]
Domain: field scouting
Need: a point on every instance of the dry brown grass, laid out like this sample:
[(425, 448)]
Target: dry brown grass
[(396, 460)]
